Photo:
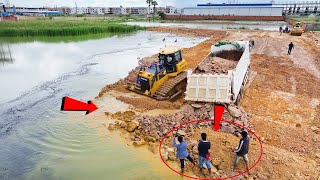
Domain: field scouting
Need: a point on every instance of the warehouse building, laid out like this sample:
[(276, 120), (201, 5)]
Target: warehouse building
[(258, 11), (234, 11)]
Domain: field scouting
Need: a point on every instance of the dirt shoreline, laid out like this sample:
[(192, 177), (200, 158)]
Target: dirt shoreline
[(282, 104)]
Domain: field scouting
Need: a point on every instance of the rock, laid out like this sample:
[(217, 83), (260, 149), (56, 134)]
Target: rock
[(315, 129), (123, 124), (171, 154), (179, 117), (234, 111), (138, 132), (153, 147), (193, 143), (137, 139), (216, 161), (195, 149), (298, 125), (211, 113), (227, 129), (197, 106), (150, 139), (181, 132), (132, 125), (165, 155), (111, 127), (317, 155), (139, 143)]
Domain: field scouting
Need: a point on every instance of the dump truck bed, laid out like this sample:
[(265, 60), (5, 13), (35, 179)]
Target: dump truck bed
[(219, 87)]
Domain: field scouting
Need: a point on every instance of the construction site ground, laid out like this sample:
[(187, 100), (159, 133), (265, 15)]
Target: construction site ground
[(283, 98)]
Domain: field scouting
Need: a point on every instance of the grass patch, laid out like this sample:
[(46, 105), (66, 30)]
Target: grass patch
[(55, 28), (307, 19)]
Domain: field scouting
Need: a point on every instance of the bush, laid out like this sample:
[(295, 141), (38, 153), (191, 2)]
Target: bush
[(162, 14)]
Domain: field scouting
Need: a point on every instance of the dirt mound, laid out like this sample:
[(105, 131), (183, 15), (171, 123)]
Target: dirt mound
[(215, 65)]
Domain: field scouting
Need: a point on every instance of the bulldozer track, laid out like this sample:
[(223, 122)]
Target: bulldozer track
[(163, 92)]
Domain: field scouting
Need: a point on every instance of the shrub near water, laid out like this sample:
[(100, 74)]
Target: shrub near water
[(60, 28)]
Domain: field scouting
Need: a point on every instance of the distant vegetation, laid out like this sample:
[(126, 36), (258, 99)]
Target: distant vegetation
[(307, 19), (60, 27)]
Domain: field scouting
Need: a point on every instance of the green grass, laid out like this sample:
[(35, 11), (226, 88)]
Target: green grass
[(307, 19), (61, 28)]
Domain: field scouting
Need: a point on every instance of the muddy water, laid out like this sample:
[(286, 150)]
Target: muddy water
[(37, 141), (272, 26)]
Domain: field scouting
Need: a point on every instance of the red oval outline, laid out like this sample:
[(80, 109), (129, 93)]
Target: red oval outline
[(195, 121)]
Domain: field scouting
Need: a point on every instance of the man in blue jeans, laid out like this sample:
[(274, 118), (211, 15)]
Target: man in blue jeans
[(203, 149), (182, 152)]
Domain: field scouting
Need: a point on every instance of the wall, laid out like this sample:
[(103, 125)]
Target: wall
[(235, 11), (9, 18), (210, 17)]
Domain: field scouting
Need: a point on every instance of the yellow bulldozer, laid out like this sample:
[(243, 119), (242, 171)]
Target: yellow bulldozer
[(165, 79), (297, 29)]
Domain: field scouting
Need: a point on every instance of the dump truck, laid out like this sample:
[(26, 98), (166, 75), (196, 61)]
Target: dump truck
[(164, 79), (222, 75), (297, 29)]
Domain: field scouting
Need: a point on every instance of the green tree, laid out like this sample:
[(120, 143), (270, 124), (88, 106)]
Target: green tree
[(149, 4), (161, 14), (154, 3)]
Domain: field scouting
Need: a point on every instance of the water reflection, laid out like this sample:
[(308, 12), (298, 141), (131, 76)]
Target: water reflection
[(5, 54)]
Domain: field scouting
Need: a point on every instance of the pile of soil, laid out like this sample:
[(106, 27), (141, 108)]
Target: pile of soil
[(216, 65)]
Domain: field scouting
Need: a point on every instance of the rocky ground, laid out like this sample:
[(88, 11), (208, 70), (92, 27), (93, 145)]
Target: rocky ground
[(281, 105)]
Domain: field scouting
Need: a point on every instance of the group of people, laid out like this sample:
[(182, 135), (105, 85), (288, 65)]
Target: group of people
[(203, 152), (284, 29)]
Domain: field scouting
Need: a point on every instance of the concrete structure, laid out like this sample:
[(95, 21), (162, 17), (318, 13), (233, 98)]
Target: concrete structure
[(137, 10), (32, 11), (115, 10), (234, 11), (301, 8)]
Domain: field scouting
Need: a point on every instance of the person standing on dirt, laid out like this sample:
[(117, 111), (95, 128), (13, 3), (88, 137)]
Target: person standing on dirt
[(291, 46), (204, 155), (242, 150), (182, 151), (252, 43), (280, 30)]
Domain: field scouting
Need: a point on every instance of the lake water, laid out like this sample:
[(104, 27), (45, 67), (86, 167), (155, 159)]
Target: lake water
[(38, 141)]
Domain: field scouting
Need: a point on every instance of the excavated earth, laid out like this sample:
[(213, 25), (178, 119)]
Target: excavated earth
[(280, 104)]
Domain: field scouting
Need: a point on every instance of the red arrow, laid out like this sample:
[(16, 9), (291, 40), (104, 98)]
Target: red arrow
[(218, 112), (69, 104)]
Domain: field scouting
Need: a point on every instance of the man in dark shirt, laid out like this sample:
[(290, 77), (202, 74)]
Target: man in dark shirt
[(204, 156), (242, 150), (291, 46)]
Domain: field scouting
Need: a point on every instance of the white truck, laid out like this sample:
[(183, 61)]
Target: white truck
[(221, 87)]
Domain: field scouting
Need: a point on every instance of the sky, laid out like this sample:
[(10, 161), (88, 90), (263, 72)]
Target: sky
[(125, 3)]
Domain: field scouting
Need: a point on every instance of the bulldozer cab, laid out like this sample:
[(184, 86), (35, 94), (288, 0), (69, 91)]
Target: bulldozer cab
[(169, 57)]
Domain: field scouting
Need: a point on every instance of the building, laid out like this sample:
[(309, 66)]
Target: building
[(137, 10), (65, 10), (304, 8), (301, 8), (115, 10), (171, 10), (33, 11), (234, 11)]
